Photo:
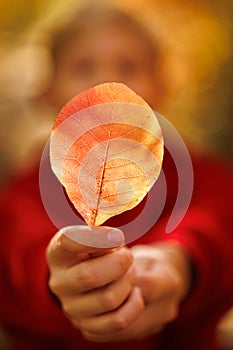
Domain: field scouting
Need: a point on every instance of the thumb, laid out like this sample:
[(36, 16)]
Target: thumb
[(71, 240), (94, 237)]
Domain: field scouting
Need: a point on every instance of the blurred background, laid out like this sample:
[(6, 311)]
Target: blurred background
[(196, 39), (197, 45)]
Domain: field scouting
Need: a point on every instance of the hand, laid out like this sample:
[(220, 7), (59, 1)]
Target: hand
[(163, 274), (112, 297), (96, 286)]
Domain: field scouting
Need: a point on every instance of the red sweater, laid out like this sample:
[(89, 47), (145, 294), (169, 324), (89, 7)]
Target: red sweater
[(33, 320)]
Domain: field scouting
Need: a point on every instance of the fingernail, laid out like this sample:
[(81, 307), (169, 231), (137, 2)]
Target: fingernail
[(116, 236), (99, 237)]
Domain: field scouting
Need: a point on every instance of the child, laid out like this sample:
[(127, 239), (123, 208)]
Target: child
[(165, 291)]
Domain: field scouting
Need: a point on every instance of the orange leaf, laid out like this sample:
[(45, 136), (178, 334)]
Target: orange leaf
[(106, 149)]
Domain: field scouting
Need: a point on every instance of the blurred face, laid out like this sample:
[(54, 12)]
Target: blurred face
[(107, 54)]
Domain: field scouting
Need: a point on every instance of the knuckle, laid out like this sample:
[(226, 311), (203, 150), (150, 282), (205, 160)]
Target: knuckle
[(89, 336), (83, 323), (119, 323), (57, 284), (47, 252), (54, 285), (131, 275), (125, 258), (86, 277), (50, 249), (141, 305), (67, 308), (108, 300), (75, 323)]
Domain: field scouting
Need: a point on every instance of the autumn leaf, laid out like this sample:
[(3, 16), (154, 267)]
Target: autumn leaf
[(106, 149)]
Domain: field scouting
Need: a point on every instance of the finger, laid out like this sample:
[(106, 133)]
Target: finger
[(92, 273), (137, 331), (102, 299), (115, 321), (73, 240), (153, 320)]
